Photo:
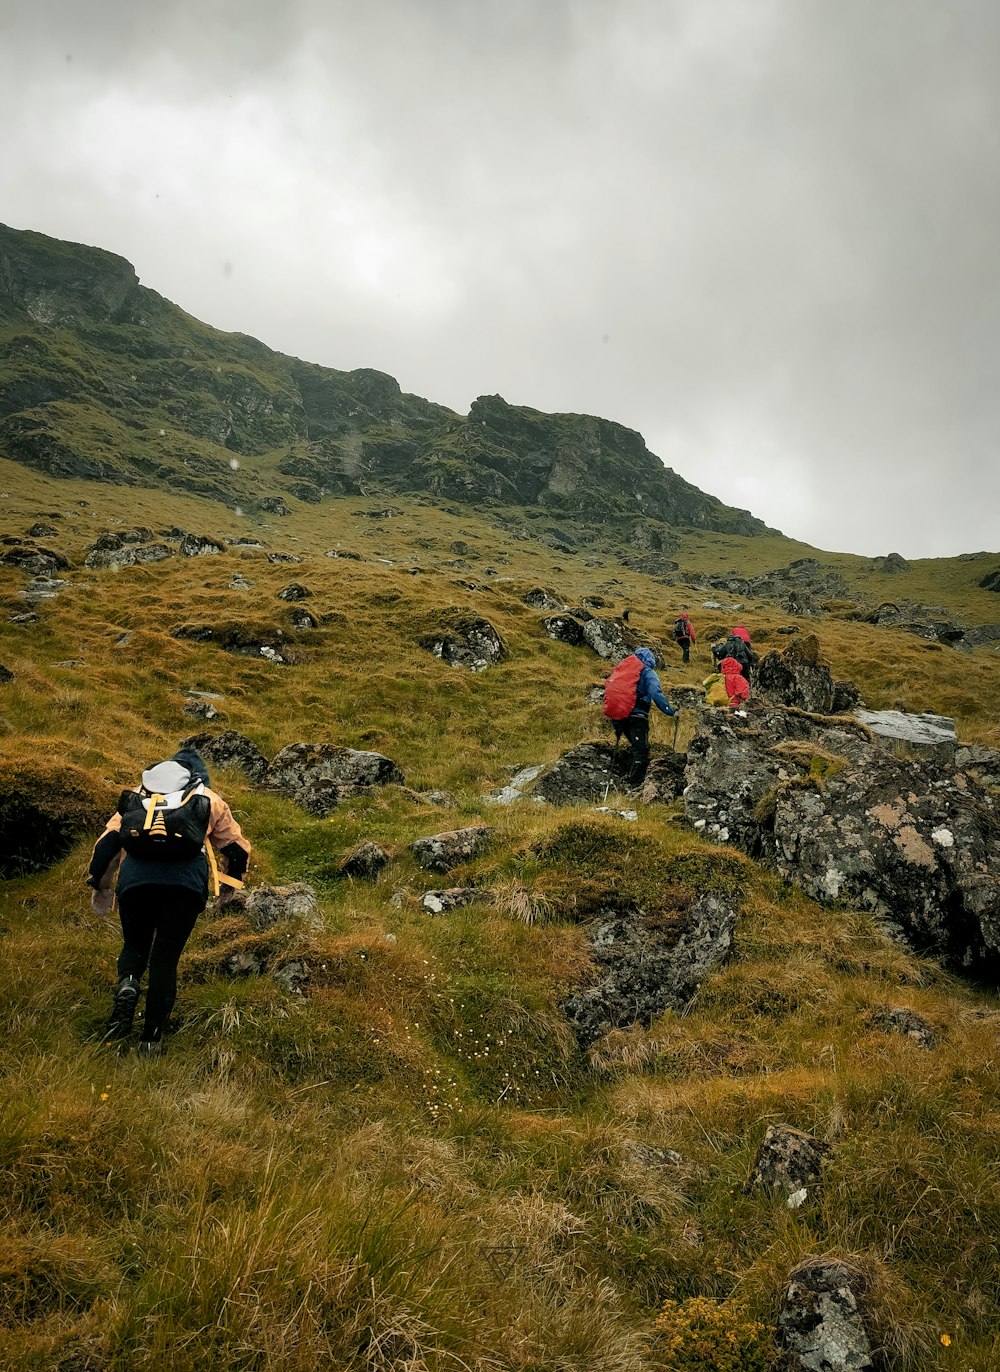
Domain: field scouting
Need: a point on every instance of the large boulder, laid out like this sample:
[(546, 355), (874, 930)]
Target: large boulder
[(585, 774), (645, 971), (931, 737), (197, 545), (541, 599), (610, 638), (847, 820), (463, 640), (127, 555), (991, 581), (319, 775), (892, 563), (264, 906), (821, 1325), (230, 749), (442, 852), (789, 1161), (35, 561), (797, 677), (564, 629)]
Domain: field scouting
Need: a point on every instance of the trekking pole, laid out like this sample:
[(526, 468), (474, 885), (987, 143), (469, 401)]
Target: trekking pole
[(677, 725)]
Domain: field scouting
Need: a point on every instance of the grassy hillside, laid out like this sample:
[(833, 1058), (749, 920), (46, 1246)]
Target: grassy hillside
[(413, 1165)]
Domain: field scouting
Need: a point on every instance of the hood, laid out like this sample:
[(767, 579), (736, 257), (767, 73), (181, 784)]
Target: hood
[(194, 762), (646, 657), (740, 632), (730, 667)]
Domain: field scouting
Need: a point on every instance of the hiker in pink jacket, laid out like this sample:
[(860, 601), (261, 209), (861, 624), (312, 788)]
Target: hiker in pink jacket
[(737, 686)]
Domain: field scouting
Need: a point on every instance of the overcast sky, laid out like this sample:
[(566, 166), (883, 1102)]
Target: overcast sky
[(765, 233)]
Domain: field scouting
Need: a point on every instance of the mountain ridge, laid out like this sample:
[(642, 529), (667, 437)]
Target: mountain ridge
[(102, 377)]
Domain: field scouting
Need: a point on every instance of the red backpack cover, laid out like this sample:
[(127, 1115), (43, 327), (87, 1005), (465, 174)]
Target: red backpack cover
[(620, 688)]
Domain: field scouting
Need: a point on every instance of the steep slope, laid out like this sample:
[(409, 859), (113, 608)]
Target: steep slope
[(103, 378)]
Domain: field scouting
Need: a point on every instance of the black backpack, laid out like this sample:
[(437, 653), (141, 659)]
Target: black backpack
[(681, 629), (155, 831)]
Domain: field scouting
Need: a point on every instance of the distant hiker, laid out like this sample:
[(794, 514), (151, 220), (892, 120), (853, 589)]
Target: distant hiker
[(737, 645), (169, 841), (737, 686), (684, 636), (629, 692)]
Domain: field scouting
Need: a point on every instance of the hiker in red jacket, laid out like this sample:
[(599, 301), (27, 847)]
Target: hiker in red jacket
[(684, 636), (737, 686)]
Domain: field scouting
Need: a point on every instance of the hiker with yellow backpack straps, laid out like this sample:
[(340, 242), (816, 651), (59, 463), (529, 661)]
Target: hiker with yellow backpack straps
[(171, 842)]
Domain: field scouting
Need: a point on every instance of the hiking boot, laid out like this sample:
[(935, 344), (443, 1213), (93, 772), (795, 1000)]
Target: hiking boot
[(150, 1048), (126, 997)]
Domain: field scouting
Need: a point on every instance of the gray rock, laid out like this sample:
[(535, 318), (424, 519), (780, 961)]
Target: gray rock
[(790, 1161), (542, 599), (847, 820), (245, 962), (451, 898), (278, 558), (274, 504), (28, 617), (646, 972), (5, 673), (194, 545), (899, 1019), (981, 763), (516, 787), (665, 780), (231, 749), (301, 619), (240, 583), (991, 581), (892, 563), (610, 638), (42, 531), (441, 852), (367, 861), (265, 906), (564, 629), (294, 591), (585, 774), (129, 555), (797, 677), (821, 1325), (928, 736), (466, 641), (201, 709), (293, 976), (319, 775)]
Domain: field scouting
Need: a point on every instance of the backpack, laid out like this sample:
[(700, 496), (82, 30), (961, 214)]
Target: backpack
[(621, 687), (737, 647), (681, 629), (167, 827)]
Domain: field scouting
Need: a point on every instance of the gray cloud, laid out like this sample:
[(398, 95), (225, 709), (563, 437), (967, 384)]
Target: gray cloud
[(760, 231)]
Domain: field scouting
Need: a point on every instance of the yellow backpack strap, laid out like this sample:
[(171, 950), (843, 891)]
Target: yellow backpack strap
[(217, 878), (153, 822)]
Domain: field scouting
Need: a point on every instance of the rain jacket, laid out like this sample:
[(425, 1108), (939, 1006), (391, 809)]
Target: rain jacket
[(737, 686)]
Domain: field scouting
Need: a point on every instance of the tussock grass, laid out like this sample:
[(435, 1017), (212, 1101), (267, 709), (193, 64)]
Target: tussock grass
[(411, 1164)]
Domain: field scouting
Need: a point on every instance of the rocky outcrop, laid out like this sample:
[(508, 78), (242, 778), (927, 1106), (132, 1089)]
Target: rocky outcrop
[(644, 970), (789, 1161), (453, 898), (931, 737), (991, 581), (610, 638), (442, 852), (799, 676), (231, 749), (131, 555), (194, 545), (294, 591), (35, 561), (564, 629), (847, 820), (583, 775), (892, 563), (464, 640), (541, 599), (245, 637), (265, 906), (516, 787), (366, 861), (821, 1325), (981, 763), (899, 1019), (319, 775)]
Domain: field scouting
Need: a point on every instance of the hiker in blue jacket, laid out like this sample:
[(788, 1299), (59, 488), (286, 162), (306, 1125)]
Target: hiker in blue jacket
[(636, 727)]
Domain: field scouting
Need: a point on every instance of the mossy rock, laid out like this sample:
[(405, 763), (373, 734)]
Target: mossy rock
[(44, 809)]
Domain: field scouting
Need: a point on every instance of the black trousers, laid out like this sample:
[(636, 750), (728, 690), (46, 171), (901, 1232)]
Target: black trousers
[(156, 924), (636, 730), (685, 646)]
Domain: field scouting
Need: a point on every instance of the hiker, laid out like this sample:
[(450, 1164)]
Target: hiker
[(684, 636), (167, 842), (737, 686), (737, 645), (628, 694)]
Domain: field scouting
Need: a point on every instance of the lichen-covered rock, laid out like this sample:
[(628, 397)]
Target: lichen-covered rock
[(35, 561), (294, 591), (790, 1161), (231, 749), (319, 775), (452, 898), (264, 906), (564, 629), (991, 581), (647, 971), (464, 640), (899, 1019), (928, 736), (195, 545), (583, 775), (274, 504), (300, 618), (541, 599), (980, 762), (441, 852), (610, 638), (244, 637), (797, 677), (846, 820), (127, 555), (201, 709), (821, 1325), (893, 563), (664, 781), (292, 976), (516, 787), (366, 861)]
